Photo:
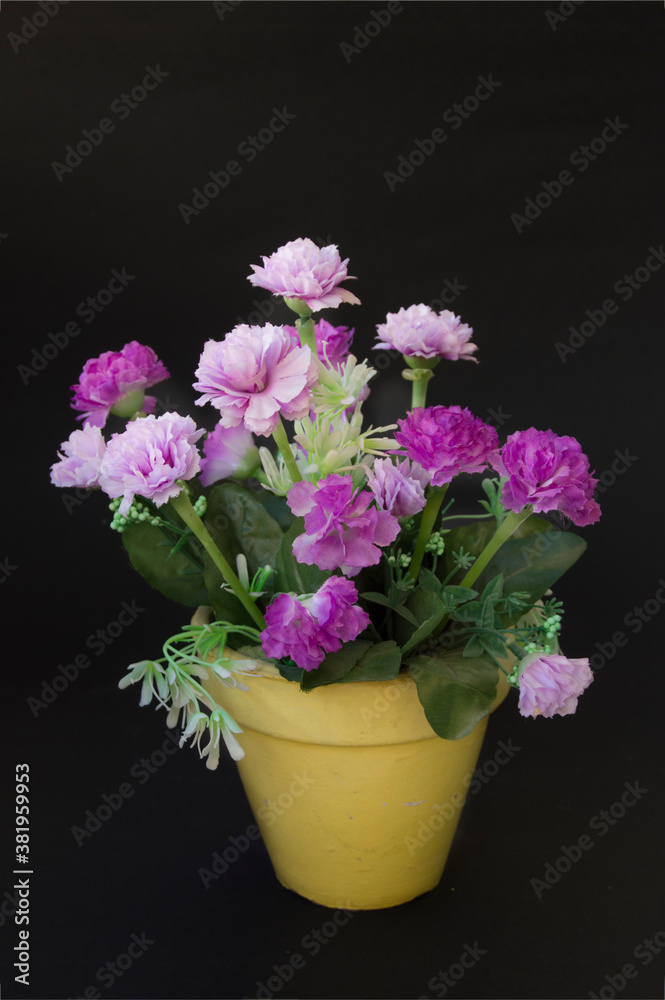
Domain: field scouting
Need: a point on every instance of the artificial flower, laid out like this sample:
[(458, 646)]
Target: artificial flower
[(80, 458), (550, 473), (149, 457), (551, 685), (115, 383), (255, 374), (420, 331), (447, 440), (301, 270), (399, 487), (228, 451)]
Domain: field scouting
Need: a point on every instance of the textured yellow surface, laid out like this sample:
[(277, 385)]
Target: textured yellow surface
[(356, 798)]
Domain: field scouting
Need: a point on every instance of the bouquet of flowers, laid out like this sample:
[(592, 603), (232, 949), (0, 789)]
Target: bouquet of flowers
[(336, 555)]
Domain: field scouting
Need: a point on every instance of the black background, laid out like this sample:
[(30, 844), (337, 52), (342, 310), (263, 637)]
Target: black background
[(65, 575)]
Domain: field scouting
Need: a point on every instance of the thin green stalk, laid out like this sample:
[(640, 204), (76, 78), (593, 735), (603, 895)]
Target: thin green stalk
[(418, 392), (182, 506), (427, 523), (508, 527), (307, 333), (282, 442)]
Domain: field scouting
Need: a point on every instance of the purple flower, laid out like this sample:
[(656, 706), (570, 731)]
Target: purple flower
[(228, 450), (548, 471), (399, 487), (115, 382), (551, 685), (419, 331), (447, 440), (342, 531), (83, 454), (149, 457), (301, 270), (253, 375), (306, 628), (333, 343)]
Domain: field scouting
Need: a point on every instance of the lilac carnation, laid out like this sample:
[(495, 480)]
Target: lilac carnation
[(342, 531), (301, 270), (447, 440), (549, 472), (551, 685), (419, 331), (149, 457), (253, 375), (399, 487), (106, 383), (333, 343), (83, 454), (306, 628), (228, 450)]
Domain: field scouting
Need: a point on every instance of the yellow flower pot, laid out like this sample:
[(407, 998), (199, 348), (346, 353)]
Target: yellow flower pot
[(356, 797)]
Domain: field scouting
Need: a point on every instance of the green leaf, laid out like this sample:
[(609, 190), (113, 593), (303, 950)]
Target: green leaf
[(381, 662), (456, 692), (277, 507), (493, 590), (293, 576), (399, 609), (336, 665), (177, 577), (487, 616), (234, 512), (474, 646), (535, 562), (428, 610), (470, 612)]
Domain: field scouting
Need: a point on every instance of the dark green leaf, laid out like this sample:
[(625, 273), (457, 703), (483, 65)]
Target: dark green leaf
[(234, 512), (178, 578), (335, 666), (455, 691), (493, 590), (535, 562), (487, 616), (292, 576), (399, 609), (277, 507), (381, 662), (461, 594), (474, 647), (428, 610), (470, 612)]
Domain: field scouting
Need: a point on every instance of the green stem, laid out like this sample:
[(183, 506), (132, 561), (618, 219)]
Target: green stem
[(418, 392), (427, 523), (307, 333), (182, 506), (282, 442), (508, 527)]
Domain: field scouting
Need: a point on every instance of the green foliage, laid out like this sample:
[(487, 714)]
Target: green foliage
[(381, 662), (336, 665), (176, 574), (292, 575), (455, 691)]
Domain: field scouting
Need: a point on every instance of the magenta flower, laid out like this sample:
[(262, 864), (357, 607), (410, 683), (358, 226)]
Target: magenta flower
[(83, 454), (333, 343), (342, 531), (446, 440), (419, 331), (149, 457), (115, 382), (399, 487), (227, 451), (306, 628), (301, 270), (253, 375), (549, 472), (551, 685)]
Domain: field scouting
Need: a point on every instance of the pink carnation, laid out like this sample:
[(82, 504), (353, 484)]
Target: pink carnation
[(333, 343), (399, 487), (551, 685), (447, 440), (228, 450), (419, 331), (342, 531), (255, 374), (549, 472), (306, 628), (83, 454), (301, 270), (149, 457), (106, 383)]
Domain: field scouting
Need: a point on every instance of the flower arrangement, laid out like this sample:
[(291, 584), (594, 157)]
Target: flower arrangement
[(333, 555)]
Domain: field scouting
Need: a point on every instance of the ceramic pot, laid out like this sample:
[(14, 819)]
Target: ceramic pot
[(356, 797)]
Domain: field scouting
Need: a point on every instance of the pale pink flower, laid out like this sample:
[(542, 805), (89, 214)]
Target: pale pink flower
[(399, 487), (255, 374), (551, 685), (116, 381), (149, 457), (83, 454), (227, 451), (420, 331), (301, 270)]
